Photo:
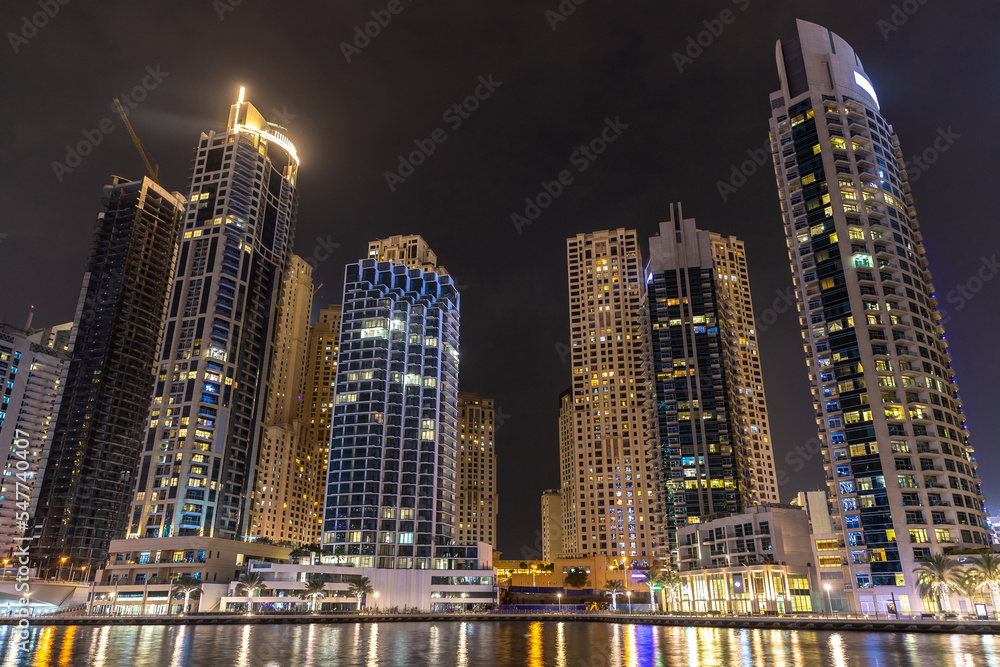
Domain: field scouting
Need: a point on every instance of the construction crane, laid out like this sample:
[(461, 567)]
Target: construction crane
[(151, 167)]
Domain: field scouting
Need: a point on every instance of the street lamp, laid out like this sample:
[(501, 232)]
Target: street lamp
[(559, 601), (829, 600), (628, 594), (61, 562), (376, 600)]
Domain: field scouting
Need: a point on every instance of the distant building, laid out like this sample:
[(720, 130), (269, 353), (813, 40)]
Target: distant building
[(285, 510), (29, 372), (754, 562), (569, 471), (552, 513), (477, 482), (94, 448), (320, 389)]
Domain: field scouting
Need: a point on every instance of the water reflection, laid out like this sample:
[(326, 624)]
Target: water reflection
[(468, 644)]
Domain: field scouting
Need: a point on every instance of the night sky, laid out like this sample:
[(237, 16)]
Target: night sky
[(557, 88)]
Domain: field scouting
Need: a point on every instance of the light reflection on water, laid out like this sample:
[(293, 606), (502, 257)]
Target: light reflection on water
[(464, 643)]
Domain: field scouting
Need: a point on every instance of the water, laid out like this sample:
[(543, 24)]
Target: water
[(485, 644)]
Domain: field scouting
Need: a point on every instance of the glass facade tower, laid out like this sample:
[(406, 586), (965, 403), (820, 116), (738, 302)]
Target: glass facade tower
[(710, 432), (391, 489), (201, 452)]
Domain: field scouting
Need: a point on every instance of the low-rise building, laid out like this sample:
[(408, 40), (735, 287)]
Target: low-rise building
[(459, 581), (140, 572), (756, 562)]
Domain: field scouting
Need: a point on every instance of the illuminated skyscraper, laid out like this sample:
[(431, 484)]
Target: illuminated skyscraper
[(477, 482), (569, 471), (285, 510), (552, 517), (392, 484), (202, 450), (320, 383), (614, 496), (30, 372), (709, 431), (899, 465), (94, 447)]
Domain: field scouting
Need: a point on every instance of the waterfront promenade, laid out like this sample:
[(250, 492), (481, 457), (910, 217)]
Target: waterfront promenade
[(807, 623)]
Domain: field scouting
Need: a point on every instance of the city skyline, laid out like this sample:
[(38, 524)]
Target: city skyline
[(540, 241)]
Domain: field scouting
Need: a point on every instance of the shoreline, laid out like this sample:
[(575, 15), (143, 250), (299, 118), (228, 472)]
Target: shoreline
[(771, 623)]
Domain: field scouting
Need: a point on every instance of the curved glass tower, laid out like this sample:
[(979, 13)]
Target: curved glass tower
[(899, 467)]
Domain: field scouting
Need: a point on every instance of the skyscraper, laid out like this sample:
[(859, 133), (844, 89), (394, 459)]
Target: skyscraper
[(569, 471), (898, 461), (477, 482), (393, 471), (29, 372), (321, 383), (206, 424), (709, 432), (552, 516), (284, 511), (614, 495), (93, 449)]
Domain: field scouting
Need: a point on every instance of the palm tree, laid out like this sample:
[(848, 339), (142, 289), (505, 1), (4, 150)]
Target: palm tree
[(614, 588), (186, 586), (250, 583), (315, 589), (656, 579), (671, 582), (986, 571), (360, 589), (938, 575)]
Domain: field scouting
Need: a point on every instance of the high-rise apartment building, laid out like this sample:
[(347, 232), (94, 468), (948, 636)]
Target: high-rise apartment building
[(202, 448), (477, 486), (709, 432), (94, 447), (614, 492), (552, 517), (285, 492), (392, 484), (320, 389), (569, 471), (29, 374), (899, 465)]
